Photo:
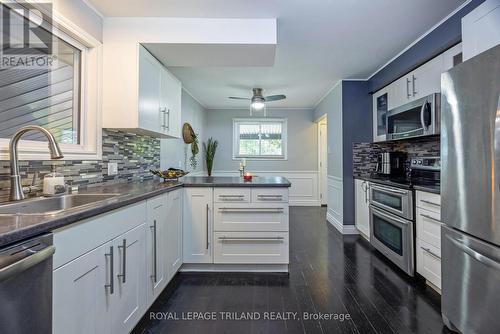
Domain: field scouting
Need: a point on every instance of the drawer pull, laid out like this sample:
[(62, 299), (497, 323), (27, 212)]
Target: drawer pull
[(427, 250), (429, 202), (251, 239), (231, 196), (431, 218), (240, 210), (269, 196)]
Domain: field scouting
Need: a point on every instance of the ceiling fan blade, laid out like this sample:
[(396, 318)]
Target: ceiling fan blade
[(274, 98), (239, 98)]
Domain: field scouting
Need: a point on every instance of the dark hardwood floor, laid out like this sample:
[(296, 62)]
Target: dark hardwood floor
[(329, 273)]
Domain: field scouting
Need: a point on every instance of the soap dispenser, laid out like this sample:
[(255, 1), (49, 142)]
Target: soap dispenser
[(53, 184)]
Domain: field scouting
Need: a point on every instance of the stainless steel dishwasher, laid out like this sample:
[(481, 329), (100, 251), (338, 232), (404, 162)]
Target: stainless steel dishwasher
[(26, 286)]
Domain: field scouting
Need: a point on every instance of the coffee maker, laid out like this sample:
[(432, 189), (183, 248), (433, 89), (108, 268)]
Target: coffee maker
[(391, 164)]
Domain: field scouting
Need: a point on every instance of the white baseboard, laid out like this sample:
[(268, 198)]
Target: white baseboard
[(203, 267), (344, 229)]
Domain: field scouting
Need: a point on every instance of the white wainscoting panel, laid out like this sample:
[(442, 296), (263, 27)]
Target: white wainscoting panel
[(335, 212), (304, 190)]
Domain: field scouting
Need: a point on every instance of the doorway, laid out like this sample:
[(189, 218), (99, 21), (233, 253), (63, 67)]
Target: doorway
[(323, 160)]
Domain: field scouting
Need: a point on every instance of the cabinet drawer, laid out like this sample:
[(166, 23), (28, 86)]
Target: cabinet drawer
[(251, 247), (429, 262), (429, 227), (251, 217), (264, 195), (429, 201), (239, 195)]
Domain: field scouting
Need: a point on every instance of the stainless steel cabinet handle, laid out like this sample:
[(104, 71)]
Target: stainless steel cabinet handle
[(431, 218), (270, 196), (413, 79), (207, 225), (123, 275), (168, 119), (251, 239), (162, 110), (111, 284), (229, 196), (429, 202), (427, 250), (154, 276), (251, 209), (408, 94)]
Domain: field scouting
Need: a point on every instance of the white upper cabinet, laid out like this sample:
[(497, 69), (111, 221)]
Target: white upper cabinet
[(140, 94), (452, 57), (481, 29), (381, 104)]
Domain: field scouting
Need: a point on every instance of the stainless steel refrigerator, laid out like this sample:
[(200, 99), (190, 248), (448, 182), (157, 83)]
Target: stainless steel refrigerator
[(470, 194)]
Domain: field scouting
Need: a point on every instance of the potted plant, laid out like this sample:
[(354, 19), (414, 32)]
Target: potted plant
[(210, 147)]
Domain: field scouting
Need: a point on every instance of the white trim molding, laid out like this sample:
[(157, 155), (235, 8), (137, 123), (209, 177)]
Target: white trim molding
[(304, 189)]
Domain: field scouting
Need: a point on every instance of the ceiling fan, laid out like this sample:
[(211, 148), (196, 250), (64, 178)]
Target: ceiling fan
[(258, 101)]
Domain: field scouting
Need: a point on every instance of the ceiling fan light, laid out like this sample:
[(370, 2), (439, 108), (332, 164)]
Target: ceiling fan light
[(258, 105)]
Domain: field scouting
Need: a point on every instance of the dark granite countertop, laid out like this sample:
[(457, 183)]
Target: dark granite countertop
[(226, 181), (15, 228)]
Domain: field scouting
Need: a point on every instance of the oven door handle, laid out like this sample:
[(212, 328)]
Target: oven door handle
[(390, 217), (389, 190)]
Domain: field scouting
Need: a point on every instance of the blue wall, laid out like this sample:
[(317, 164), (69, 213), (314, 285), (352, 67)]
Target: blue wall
[(356, 128), (440, 39)]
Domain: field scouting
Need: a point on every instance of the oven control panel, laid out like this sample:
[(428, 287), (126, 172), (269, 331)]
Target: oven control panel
[(428, 163)]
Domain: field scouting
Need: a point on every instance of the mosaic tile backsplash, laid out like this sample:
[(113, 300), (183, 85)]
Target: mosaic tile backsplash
[(134, 154), (365, 154)]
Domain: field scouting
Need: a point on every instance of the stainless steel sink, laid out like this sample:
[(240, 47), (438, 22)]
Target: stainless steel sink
[(48, 205)]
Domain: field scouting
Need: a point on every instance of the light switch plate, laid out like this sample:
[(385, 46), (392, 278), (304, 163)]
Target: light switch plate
[(112, 168)]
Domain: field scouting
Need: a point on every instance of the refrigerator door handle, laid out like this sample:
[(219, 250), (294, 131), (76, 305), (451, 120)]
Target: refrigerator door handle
[(475, 254)]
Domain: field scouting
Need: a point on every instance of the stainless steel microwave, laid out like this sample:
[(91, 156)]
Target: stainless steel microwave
[(415, 119)]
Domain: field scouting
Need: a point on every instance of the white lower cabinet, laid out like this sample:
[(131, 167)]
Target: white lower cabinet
[(128, 301), (174, 232), (428, 226), (197, 225), (81, 303), (362, 204), (156, 246), (107, 285), (251, 247)]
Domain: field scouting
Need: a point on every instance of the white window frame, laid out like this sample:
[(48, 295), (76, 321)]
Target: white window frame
[(236, 138), (90, 147)]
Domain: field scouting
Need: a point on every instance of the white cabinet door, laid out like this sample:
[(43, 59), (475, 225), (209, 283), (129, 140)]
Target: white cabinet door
[(481, 29), (362, 203), (171, 104), (426, 79), (401, 92), (381, 104), (174, 232), (429, 262), (81, 294), (129, 298), (197, 225), (150, 71), (251, 217), (156, 249)]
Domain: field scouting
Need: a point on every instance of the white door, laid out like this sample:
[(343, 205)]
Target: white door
[(150, 71), (171, 94), (129, 298), (174, 232), (156, 250), (81, 294), (362, 203), (197, 225), (323, 162)]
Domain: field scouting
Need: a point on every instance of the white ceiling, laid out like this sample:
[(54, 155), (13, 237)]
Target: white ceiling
[(319, 42)]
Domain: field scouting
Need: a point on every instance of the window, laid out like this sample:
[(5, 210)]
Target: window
[(63, 97), (259, 139)]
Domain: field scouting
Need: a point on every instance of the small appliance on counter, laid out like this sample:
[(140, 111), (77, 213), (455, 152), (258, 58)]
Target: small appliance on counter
[(391, 164)]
